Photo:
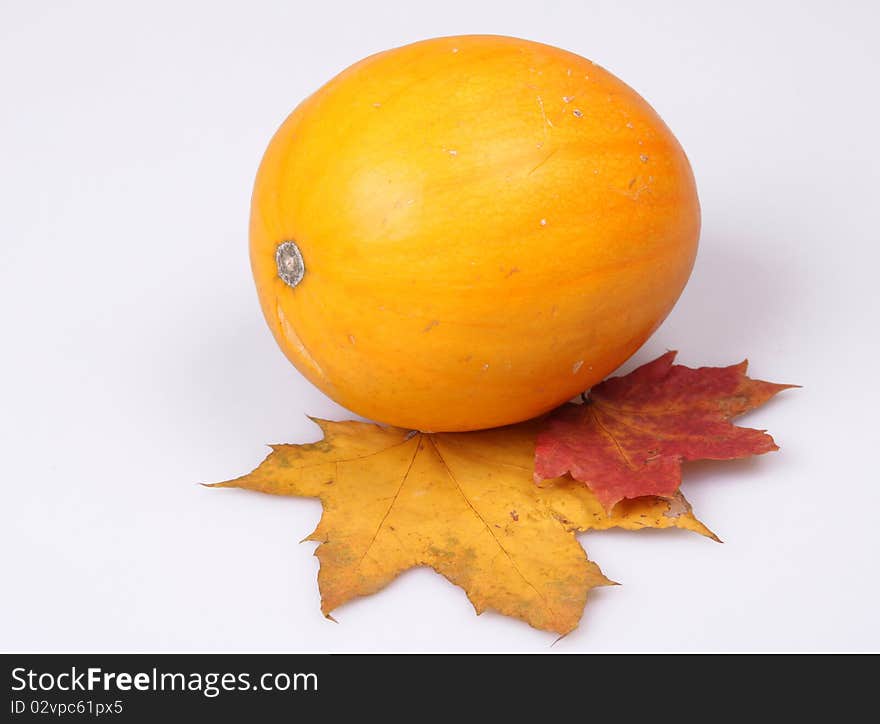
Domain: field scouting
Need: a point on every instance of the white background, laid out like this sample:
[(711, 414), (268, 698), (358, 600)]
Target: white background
[(136, 364)]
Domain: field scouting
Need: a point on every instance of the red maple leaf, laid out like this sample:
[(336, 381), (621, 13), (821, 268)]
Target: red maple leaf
[(631, 436)]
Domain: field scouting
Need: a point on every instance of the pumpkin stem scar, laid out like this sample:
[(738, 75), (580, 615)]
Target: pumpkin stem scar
[(290, 264)]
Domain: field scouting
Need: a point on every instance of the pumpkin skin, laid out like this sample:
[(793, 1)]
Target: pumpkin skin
[(489, 226)]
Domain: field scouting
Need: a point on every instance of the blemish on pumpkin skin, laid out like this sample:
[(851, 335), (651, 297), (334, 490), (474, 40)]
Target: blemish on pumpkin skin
[(542, 161), (433, 323), (643, 158), (544, 114), (575, 368), (577, 113), (351, 339), (288, 332), (513, 270), (514, 515)]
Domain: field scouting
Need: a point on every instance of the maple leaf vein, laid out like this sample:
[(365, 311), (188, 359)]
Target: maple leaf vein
[(348, 460), (493, 461), (613, 439), (394, 499), (487, 526)]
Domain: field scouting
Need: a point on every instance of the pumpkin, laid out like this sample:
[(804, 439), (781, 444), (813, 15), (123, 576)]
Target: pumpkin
[(467, 231)]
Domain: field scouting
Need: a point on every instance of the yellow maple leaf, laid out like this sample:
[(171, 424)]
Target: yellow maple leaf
[(464, 504)]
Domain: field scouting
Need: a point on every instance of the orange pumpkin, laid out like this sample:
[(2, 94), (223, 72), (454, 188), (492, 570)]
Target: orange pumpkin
[(468, 231)]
